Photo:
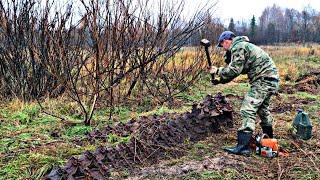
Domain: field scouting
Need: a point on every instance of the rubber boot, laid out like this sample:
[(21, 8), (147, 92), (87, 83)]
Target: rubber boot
[(267, 130), (242, 147)]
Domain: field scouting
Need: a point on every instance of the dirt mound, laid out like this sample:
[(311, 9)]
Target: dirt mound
[(307, 83), (151, 139), (281, 105)]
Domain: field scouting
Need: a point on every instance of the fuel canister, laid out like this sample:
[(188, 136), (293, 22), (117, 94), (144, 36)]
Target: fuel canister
[(302, 127)]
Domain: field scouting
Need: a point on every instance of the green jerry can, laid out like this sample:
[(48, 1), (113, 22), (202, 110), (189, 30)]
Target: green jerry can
[(302, 127)]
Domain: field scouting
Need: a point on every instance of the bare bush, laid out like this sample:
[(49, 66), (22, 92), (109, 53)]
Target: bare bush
[(131, 47), (34, 49), (118, 50)]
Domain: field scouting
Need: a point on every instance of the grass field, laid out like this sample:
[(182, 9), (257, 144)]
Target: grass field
[(31, 142)]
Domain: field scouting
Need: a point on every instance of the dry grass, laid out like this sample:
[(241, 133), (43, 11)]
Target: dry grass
[(294, 60), (287, 58), (187, 57), (287, 71), (293, 50)]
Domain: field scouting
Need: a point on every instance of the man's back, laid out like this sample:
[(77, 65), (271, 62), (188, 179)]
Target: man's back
[(251, 60)]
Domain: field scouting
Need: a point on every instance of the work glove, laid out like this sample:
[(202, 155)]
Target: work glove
[(213, 70), (215, 81)]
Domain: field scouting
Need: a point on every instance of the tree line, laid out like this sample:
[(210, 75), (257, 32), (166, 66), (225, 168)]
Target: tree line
[(278, 25)]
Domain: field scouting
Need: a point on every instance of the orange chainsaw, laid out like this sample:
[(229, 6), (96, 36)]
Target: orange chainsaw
[(268, 147)]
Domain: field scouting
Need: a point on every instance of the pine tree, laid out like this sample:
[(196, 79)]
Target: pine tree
[(253, 28), (231, 26)]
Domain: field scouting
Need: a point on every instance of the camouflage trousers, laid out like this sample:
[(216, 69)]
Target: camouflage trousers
[(257, 101)]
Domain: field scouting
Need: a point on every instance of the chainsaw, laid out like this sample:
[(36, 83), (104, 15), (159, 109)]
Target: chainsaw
[(266, 147)]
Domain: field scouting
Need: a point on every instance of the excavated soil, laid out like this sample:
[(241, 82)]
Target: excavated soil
[(152, 139), (307, 83), (292, 104)]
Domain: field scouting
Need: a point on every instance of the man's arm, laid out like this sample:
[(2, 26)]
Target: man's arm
[(234, 69), (227, 57)]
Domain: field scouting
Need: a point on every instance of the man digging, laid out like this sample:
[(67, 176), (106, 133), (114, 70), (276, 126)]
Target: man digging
[(247, 58)]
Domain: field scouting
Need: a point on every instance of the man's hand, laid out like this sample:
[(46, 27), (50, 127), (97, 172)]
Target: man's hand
[(215, 82), (213, 70)]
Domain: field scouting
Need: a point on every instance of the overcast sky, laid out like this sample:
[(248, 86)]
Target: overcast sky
[(245, 9), (236, 9)]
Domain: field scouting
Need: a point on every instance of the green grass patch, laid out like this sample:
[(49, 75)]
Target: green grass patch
[(45, 120), (123, 113), (22, 117), (164, 109), (145, 105), (200, 150), (115, 139), (11, 127), (28, 166), (307, 96), (305, 174), (24, 136), (235, 89), (191, 97), (79, 130), (27, 114), (211, 175)]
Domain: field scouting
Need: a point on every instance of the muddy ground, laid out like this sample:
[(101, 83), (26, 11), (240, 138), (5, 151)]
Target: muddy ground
[(209, 161), (169, 147)]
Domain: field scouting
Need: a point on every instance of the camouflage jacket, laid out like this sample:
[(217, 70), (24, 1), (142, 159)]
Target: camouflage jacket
[(249, 59)]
